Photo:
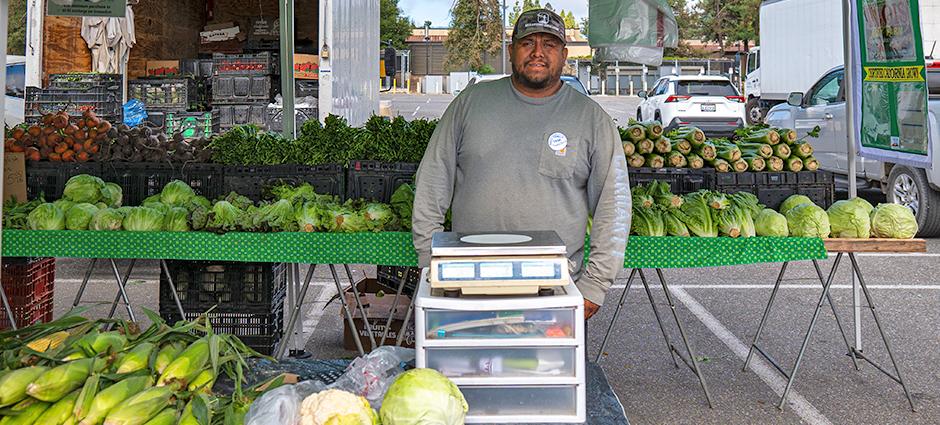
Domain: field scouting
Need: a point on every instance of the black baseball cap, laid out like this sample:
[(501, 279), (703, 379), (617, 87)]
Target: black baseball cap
[(539, 20)]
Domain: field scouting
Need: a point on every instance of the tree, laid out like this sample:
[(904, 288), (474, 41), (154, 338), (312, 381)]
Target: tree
[(584, 26), (526, 6), (16, 34), (728, 21), (568, 17), (687, 20), (392, 25), (476, 27)]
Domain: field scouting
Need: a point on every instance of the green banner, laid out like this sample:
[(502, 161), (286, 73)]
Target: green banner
[(105, 8), (893, 81)]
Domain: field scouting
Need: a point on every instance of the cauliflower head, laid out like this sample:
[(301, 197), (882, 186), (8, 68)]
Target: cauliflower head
[(336, 407)]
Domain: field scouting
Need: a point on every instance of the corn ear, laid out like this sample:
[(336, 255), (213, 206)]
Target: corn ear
[(165, 417), (13, 384), (203, 382), (59, 412), (166, 355), (136, 359), (85, 397), (27, 411), (110, 397), (187, 417), (48, 342), (109, 341), (61, 380), (140, 408), (187, 365)]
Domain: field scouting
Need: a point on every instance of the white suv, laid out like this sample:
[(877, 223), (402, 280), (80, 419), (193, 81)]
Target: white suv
[(710, 103)]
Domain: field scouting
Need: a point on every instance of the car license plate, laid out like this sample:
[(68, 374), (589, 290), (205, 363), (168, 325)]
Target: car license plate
[(708, 107)]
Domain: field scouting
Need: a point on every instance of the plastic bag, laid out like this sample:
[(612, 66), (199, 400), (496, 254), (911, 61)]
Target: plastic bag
[(282, 404), (632, 30), (134, 112), (370, 376)]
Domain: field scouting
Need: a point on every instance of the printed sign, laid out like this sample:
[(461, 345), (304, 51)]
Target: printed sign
[(105, 8), (891, 99)]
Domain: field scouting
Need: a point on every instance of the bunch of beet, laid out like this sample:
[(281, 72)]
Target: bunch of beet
[(60, 137)]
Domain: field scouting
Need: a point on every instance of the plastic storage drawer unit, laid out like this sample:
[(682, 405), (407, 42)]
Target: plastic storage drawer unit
[(515, 358)]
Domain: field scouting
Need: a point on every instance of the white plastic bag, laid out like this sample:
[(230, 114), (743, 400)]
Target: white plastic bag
[(370, 376), (282, 404)]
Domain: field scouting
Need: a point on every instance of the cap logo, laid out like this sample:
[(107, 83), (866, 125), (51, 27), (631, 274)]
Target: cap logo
[(543, 18)]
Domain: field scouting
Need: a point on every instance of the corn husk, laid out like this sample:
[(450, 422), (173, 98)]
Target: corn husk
[(142, 407), (109, 398), (27, 411), (187, 365), (13, 384), (166, 355), (60, 412), (165, 417), (136, 359), (61, 380)]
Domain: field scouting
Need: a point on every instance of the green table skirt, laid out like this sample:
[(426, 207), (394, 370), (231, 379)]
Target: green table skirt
[(389, 248)]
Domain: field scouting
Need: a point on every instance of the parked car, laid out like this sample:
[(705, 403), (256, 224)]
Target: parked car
[(711, 103), (15, 106), (823, 105), (575, 83)]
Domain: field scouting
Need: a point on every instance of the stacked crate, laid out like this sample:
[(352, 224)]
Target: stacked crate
[(75, 93), (28, 284), (242, 88)]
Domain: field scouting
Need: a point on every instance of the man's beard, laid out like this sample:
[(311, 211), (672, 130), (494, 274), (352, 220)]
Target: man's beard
[(534, 84)]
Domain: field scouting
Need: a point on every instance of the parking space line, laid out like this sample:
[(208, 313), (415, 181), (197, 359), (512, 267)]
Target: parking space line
[(800, 406), (792, 286)]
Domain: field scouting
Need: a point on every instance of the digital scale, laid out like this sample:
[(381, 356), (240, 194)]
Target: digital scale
[(517, 263), (498, 314)]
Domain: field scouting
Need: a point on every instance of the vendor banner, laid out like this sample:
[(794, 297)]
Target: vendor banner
[(891, 82), (104, 8)]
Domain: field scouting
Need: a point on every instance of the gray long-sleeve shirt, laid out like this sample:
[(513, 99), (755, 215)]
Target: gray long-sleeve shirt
[(504, 161)]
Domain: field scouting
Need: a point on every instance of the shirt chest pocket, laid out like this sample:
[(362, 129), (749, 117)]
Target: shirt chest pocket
[(558, 155)]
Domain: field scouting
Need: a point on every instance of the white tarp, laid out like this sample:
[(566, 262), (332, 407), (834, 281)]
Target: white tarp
[(110, 41), (631, 30)]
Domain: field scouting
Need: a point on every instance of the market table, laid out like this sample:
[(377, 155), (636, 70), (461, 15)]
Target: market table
[(841, 247)]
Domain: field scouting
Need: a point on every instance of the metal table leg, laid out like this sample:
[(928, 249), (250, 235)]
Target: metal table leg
[(6, 305), (669, 347), (623, 296), (404, 326), (694, 366), (176, 297), (763, 319), (391, 314), (122, 294), (884, 338), (809, 332), (832, 306), (362, 310), (81, 289), (349, 317), (295, 308)]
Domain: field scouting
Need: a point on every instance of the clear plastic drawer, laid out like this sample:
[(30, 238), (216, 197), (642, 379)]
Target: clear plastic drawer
[(548, 323), (523, 362), (521, 401)]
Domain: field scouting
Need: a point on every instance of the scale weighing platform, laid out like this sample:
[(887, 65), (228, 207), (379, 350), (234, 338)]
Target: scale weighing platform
[(517, 263), (513, 340)]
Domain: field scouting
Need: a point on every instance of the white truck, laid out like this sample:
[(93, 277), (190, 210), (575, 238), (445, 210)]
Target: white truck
[(800, 40)]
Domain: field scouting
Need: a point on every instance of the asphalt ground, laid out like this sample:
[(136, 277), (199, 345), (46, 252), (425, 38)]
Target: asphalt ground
[(719, 308)]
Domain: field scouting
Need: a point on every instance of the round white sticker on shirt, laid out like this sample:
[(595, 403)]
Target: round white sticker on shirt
[(557, 141)]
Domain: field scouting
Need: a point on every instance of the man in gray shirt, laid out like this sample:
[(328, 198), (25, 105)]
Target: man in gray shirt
[(530, 153)]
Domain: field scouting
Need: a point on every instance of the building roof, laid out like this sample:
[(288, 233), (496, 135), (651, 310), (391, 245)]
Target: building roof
[(572, 36)]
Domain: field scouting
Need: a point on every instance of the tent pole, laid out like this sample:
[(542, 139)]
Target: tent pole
[(851, 132), (4, 28), (287, 68)]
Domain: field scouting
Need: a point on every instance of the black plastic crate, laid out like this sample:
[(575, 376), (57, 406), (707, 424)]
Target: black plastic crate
[(390, 277), (304, 88), (86, 80), (772, 188), (139, 180), (681, 180), (206, 179), (301, 115), (196, 67), (193, 125), (241, 89), (105, 103), (49, 178), (229, 286), (255, 182), (234, 115), (165, 93), (247, 64), (376, 180), (261, 332), (253, 44)]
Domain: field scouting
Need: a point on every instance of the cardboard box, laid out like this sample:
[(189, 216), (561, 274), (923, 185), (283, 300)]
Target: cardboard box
[(377, 304), (163, 68), (306, 67), (14, 176)]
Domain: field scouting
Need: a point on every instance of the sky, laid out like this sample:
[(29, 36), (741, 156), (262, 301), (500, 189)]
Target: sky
[(437, 11)]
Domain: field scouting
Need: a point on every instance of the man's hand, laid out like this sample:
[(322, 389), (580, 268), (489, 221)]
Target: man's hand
[(590, 309)]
